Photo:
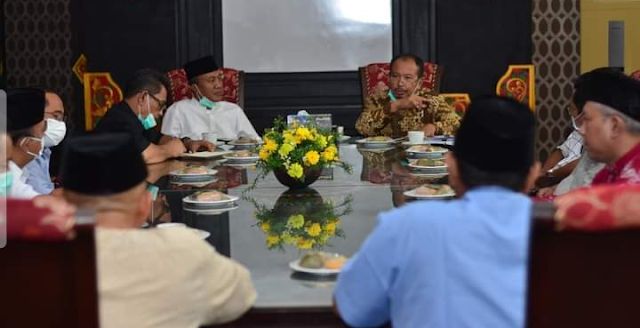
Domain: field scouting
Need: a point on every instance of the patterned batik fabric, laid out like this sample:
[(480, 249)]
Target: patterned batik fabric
[(376, 120), (624, 170)]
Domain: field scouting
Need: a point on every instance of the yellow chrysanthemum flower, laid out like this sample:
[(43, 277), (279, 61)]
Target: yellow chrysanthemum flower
[(285, 149), (311, 158), (265, 226), (289, 138), (330, 228), (305, 243), (269, 145), (304, 133), (295, 171), (289, 239), (295, 221), (328, 156), (314, 230), (272, 240), (332, 149), (263, 154), (322, 141)]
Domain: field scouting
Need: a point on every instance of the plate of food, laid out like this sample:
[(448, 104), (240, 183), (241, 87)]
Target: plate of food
[(320, 263), (193, 174), (242, 156), (215, 211), (432, 191), (427, 151), (209, 200), (426, 165), (376, 142), (244, 143), (205, 154)]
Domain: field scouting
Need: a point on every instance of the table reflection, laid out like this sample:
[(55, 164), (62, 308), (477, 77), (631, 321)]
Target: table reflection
[(273, 226), (301, 218)]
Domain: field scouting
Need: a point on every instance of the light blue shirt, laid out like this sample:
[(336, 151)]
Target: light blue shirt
[(38, 173), (456, 264)]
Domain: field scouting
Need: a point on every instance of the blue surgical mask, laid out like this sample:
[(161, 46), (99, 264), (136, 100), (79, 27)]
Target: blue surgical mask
[(148, 122), (391, 95), (6, 180)]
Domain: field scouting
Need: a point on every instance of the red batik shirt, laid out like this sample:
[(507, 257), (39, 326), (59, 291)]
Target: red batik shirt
[(624, 170)]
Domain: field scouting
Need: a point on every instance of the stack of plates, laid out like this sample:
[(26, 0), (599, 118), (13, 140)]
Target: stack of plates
[(210, 206), (235, 160), (428, 170), (180, 177), (243, 145), (418, 152), (372, 144)]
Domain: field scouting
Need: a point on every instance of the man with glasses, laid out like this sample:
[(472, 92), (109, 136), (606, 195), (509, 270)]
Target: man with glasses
[(37, 171), (145, 101), (190, 119), (611, 125), (406, 106)]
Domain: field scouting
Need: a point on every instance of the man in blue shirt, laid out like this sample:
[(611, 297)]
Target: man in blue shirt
[(37, 171), (459, 263)]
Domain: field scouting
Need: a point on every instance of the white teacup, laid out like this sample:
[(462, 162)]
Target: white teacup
[(416, 137), (212, 137)]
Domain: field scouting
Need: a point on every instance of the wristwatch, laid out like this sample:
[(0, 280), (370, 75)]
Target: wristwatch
[(550, 173)]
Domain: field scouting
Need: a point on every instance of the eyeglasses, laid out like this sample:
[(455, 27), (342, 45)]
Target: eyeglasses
[(161, 103)]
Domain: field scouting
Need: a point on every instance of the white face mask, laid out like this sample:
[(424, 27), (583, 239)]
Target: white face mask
[(55, 132), (27, 150)]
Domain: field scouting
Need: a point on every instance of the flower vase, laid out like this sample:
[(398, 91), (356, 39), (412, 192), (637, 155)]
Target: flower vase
[(310, 176)]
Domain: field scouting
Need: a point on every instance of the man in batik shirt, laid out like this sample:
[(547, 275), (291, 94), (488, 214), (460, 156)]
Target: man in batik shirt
[(406, 107), (611, 126)]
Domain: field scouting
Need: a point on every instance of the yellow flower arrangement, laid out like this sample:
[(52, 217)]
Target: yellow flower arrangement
[(297, 149), (302, 221)]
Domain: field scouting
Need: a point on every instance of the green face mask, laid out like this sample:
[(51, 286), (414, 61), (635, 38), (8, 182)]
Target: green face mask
[(208, 103), (392, 96), (148, 122), (6, 180)]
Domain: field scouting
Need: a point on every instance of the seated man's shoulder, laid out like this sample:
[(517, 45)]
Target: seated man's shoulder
[(187, 102), (175, 239), (430, 213)]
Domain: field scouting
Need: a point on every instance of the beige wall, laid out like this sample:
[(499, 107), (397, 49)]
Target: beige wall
[(594, 28)]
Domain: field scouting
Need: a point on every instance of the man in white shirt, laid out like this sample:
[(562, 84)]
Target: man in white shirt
[(206, 113), (160, 278)]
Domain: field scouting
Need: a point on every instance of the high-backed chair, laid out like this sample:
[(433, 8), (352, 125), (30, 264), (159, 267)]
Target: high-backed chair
[(374, 78), (233, 86), (519, 82), (584, 273), (458, 101), (49, 270)]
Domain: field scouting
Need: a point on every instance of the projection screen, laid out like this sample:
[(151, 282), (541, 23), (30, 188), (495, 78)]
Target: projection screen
[(305, 35)]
